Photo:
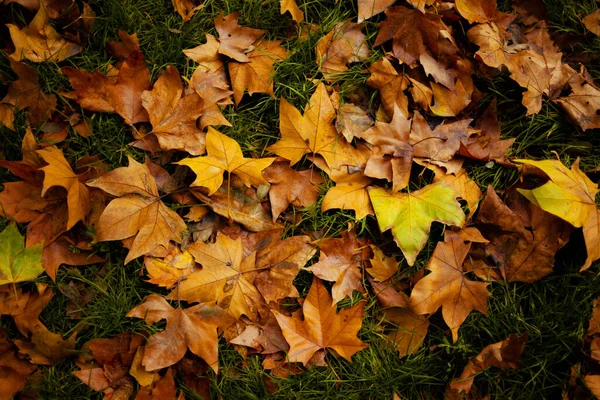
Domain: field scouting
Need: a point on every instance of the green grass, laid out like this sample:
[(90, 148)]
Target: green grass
[(554, 310)]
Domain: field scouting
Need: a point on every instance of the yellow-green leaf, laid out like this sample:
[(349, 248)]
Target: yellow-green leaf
[(570, 195), (18, 264), (409, 215)]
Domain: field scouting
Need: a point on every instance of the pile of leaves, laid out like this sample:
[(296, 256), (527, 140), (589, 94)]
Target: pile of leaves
[(221, 232)]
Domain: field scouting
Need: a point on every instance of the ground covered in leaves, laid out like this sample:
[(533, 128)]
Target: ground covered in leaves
[(242, 199)]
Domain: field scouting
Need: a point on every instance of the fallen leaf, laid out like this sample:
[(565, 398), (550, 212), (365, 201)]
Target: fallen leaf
[(343, 45), (467, 189), (349, 192), (13, 370), (187, 9), (570, 195), (58, 172), (45, 347), (164, 388), (368, 8), (583, 103), (392, 151), (17, 263), (505, 354), (288, 186), (291, 7), (447, 286), (137, 203), (174, 115), (226, 278), (523, 238), (26, 93), (439, 144), (352, 120), (256, 75), (408, 329), (341, 261), (412, 31), (477, 10), (391, 86), (592, 22), (225, 154), (235, 39), (322, 327), (128, 44), (194, 328), (39, 41), (312, 133), (409, 215), (382, 267), (62, 252)]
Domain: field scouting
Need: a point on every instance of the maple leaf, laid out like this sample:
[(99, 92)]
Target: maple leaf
[(409, 215), (256, 75), (58, 172), (352, 120), (288, 186), (291, 7), (349, 192), (408, 329), (26, 93), (523, 238), (368, 8), (187, 9), (486, 144), (392, 151), (322, 327), (39, 41), (123, 95), (447, 287), (312, 133), (17, 263), (391, 86), (592, 22), (225, 154), (128, 44), (450, 102), (440, 144), (45, 347), (478, 10), (194, 328), (583, 102), (467, 189), (237, 204), (570, 195), (137, 211), (173, 116), (341, 261), (226, 278), (343, 45), (14, 369), (413, 33), (505, 354), (59, 252), (382, 267), (235, 39)]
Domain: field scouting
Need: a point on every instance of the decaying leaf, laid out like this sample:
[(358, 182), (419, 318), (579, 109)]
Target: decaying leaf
[(505, 354), (322, 328), (343, 45)]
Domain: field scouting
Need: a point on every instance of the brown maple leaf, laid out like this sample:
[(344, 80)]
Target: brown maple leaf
[(343, 45), (523, 238), (368, 8), (194, 328), (291, 7), (123, 94), (235, 39), (439, 144), (505, 354), (26, 93), (447, 286), (341, 261), (187, 9), (14, 370), (137, 211), (583, 103), (352, 120), (288, 186), (391, 86), (322, 328), (174, 115)]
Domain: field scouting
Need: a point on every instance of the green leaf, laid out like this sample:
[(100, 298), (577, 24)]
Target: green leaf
[(409, 215), (18, 264)]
